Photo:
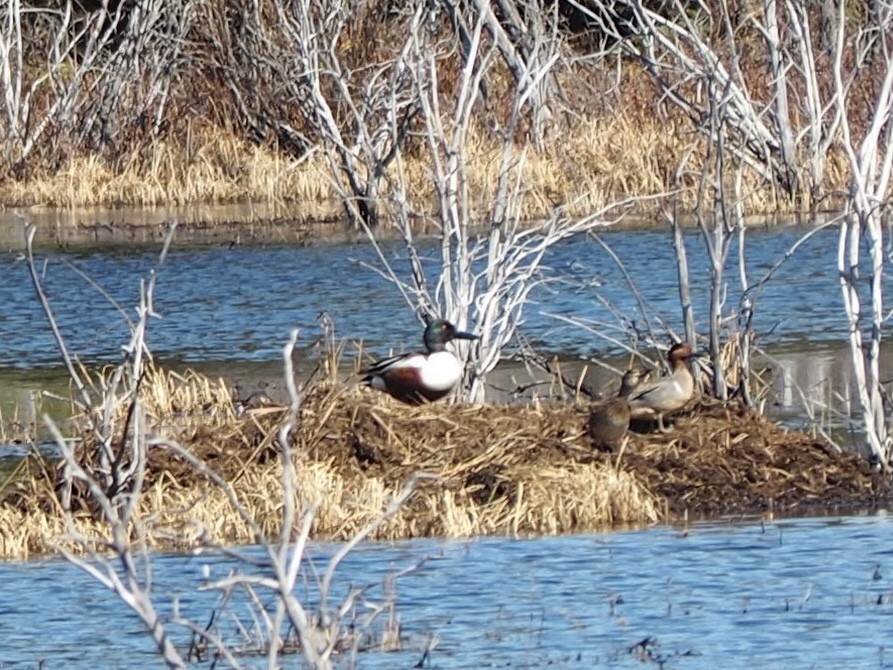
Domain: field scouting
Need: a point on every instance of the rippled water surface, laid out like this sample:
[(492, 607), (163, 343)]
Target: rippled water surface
[(240, 303), (801, 593)]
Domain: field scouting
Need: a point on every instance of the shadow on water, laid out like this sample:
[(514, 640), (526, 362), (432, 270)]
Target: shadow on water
[(25, 397), (261, 223), (90, 228)]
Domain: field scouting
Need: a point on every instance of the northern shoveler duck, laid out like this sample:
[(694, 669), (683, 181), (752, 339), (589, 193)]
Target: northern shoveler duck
[(667, 394), (609, 421), (416, 378)]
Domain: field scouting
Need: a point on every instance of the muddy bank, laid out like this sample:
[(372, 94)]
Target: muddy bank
[(248, 224), (724, 460), (200, 225)]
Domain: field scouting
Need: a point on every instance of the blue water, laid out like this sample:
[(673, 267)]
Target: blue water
[(800, 593), (240, 303)]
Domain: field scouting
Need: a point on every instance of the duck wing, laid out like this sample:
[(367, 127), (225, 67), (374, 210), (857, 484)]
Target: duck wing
[(664, 395), (391, 365)]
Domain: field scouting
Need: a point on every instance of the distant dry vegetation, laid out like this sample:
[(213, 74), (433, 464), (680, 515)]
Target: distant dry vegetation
[(211, 102)]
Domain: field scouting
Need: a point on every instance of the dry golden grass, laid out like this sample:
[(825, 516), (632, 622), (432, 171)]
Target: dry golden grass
[(599, 160), (216, 167)]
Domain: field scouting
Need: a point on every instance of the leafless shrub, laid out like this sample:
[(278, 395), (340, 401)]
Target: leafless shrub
[(288, 68), (867, 215), (488, 259), (77, 80), (119, 559), (718, 212), (782, 119), (784, 130), (526, 34), (304, 73)]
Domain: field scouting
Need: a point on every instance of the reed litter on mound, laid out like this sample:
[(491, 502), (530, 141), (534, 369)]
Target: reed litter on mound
[(727, 459), (496, 469)]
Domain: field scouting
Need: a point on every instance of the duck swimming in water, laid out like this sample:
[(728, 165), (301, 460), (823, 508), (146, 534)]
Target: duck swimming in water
[(416, 378), (609, 421), (667, 394)]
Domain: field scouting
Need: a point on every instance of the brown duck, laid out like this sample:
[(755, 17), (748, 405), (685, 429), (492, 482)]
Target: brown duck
[(609, 421), (667, 394)]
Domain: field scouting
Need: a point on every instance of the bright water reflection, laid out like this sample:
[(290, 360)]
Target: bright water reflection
[(794, 594), (240, 303)]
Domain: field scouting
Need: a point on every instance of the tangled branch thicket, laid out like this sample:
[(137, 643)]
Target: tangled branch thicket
[(196, 100)]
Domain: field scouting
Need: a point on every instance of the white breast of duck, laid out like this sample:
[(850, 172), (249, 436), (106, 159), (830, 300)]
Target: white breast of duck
[(414, 377), (441, 371)]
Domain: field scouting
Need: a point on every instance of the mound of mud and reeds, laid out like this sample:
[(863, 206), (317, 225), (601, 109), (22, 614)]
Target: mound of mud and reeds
[(493, 469), (725, 459)]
